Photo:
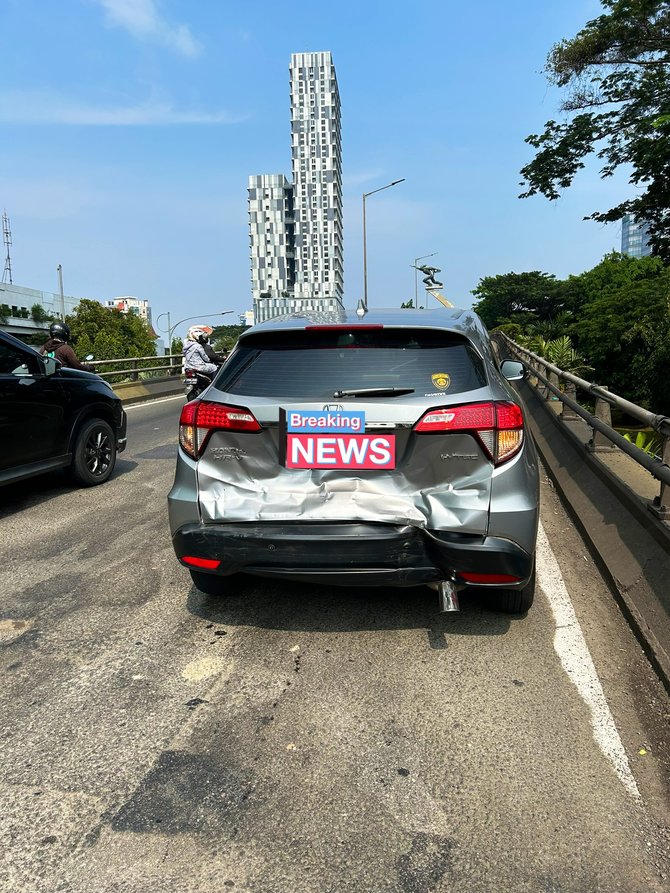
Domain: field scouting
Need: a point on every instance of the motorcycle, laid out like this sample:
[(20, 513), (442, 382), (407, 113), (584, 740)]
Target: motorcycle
[(195, 383)]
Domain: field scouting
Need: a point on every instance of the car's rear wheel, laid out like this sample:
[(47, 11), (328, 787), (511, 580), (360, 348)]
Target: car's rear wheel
[(212, 584), (94, 453), (516, 601)]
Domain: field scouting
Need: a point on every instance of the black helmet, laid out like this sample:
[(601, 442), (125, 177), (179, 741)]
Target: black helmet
[(59, 330), (203, 338)]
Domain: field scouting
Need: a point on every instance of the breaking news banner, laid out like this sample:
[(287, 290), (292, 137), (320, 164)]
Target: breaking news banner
[(333, 438)]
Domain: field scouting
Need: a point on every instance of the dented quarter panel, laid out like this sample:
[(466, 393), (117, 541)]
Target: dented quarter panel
[(515, 493)]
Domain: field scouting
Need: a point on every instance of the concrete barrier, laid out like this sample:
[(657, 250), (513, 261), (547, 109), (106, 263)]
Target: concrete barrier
[(608, 497), (149, 389)]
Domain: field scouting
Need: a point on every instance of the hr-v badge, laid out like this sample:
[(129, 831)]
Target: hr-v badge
[(441, 380)]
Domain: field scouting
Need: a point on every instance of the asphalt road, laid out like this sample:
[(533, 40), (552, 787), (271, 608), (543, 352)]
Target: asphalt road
[(297, 738)]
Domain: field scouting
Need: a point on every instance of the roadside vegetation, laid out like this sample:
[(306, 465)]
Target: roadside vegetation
[(612, 321), (225, 337), (108, 334), (615, 77)]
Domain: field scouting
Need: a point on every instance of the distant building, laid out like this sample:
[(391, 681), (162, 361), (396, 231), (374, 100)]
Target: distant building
[(296, 229), (317, 177), (18, 302), (247, 318), (271, 234), (128, 304), (634, 237)]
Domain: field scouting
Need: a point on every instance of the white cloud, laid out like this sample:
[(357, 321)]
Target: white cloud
[(26, 107), (143, 20)]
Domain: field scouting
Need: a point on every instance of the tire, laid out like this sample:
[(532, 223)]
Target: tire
[(213, 584), (516, 601), (94, 454)]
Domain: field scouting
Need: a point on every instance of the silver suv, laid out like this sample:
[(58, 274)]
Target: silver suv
[(383, 450)]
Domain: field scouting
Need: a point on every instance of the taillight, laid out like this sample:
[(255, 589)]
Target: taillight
[(497, 425), (200, 417), (209, 564), (495, 579)]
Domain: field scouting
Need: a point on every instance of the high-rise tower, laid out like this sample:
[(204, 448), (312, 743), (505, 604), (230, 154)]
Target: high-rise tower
[(316, 148), (271, 236), (634, 237), (295, 230)]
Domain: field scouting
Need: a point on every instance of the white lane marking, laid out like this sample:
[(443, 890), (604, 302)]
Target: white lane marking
[(576, 660), (153, 402)]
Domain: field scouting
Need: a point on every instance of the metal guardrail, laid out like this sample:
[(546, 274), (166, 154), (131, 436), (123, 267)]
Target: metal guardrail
[(604, 437), (132, 371)]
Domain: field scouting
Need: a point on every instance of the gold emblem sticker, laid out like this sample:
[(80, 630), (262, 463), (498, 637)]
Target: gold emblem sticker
[(441, 380)]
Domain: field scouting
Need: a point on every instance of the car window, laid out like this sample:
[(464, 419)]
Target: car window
[(312, 365), (14, 361)]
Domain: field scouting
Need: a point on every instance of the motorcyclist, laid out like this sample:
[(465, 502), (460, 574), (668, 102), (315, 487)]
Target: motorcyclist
[(57, 346), (194, 353), (212, 355)]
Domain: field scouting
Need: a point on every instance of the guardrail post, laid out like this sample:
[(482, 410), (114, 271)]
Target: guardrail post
[(542, 389), (599, 443), (553, 378), (660, 505), (567, 412)]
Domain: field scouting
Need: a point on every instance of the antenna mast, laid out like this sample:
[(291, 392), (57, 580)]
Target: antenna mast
[(7, 238)]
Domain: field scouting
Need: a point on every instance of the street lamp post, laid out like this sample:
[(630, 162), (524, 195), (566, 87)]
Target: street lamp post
[(416, 275), (365, 247), (59, 270)]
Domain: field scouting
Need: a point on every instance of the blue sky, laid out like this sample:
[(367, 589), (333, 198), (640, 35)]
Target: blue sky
[(129, 128)]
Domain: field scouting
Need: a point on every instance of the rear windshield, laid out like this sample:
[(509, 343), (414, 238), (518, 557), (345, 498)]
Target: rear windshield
[(315, 364)]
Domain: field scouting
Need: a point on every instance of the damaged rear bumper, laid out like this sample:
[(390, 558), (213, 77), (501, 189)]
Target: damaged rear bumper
[(350, 554)]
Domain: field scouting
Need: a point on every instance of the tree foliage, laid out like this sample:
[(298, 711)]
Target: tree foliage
[(109, 333), (616, 74), (526, 299), (623, 327), (616, 317), (225, 337)]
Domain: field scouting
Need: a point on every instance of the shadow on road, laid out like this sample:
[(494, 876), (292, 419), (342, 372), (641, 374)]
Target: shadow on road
[(37, 490), (302, 607)]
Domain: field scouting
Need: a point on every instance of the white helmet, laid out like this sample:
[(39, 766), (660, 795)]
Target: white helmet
[(195, 333)]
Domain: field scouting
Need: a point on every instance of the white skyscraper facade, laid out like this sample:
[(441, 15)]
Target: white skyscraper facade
[(316, 148), (296, 229), (271, 236)]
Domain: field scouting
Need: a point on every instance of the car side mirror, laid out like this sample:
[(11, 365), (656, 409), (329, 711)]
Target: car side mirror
[(513, 370), (50, 365)]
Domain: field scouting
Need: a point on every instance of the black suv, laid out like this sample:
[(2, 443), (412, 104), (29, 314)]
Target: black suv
[(55, 417)]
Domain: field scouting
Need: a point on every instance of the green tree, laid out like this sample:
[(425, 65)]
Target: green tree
[(624, 327), (522, 298), (616, 74), (225, 337), (109, 333), (39, 314), (561, 353)]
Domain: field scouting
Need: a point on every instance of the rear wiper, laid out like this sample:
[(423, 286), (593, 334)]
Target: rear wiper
[(373, 392)]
